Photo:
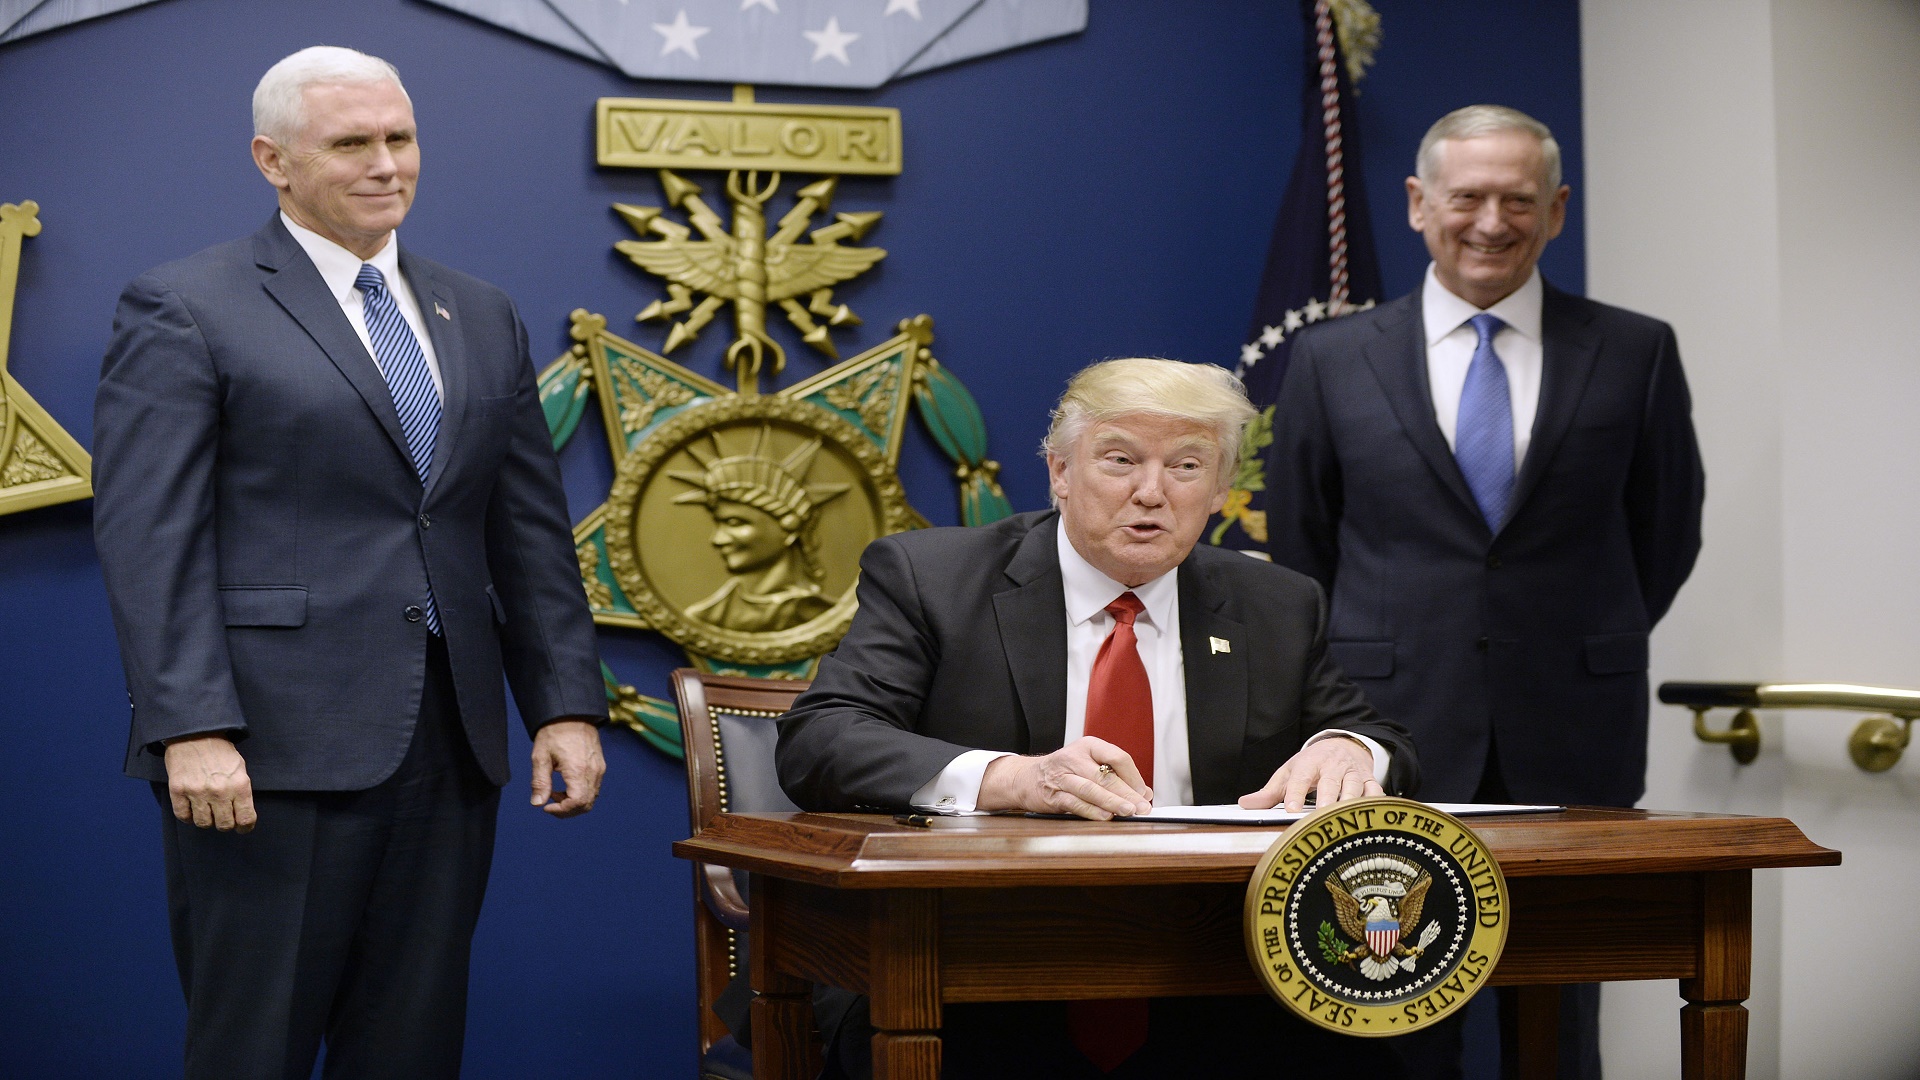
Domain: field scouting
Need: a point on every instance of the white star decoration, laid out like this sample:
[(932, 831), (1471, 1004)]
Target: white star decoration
[(768, 4), (911, 7), (680, 36), (831, 41), (1254, 351)]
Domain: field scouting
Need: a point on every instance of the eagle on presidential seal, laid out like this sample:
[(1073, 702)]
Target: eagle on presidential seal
[(1378, 899)]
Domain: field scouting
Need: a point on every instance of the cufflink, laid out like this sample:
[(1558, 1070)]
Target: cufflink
[(1219, 645)]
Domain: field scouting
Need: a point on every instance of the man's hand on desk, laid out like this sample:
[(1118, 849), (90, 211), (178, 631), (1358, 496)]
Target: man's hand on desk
[(1334, 769), (1069, 781)]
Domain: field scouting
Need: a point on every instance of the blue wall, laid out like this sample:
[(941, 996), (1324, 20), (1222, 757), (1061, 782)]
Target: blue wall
[(1108, 194)]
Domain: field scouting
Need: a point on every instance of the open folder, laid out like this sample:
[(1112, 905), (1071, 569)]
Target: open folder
[(1234, 815)]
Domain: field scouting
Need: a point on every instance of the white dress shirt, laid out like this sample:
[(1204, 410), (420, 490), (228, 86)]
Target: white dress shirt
[(1157, 635), (339, 268), (1451, 341)]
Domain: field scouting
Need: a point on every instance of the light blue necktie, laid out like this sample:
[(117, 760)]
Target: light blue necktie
[(1483, 436), (408, 380)]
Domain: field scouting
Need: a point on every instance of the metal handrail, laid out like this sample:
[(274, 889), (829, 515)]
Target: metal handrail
[(1875, 745)]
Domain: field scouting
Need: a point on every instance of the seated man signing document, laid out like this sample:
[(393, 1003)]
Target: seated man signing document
[(1093, 660)]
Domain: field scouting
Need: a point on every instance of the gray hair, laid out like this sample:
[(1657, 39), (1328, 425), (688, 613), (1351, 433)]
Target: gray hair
[(1206, 394), (1485, 120), (279, 102)]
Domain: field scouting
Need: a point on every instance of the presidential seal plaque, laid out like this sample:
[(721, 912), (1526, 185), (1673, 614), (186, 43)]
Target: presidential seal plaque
[(1376, 917)]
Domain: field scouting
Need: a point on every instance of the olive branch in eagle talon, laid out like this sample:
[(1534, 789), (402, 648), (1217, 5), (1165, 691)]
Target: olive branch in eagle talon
[(749, 268)]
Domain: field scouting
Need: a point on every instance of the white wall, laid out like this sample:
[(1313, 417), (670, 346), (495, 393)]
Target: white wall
[(1753, 177)]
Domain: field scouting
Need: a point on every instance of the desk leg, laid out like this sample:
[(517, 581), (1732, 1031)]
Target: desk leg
[(1713, 1024), (1530, 1033), (782, 1010), (904, 977)]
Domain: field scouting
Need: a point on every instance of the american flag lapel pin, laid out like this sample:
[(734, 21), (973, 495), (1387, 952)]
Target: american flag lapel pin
[(1219, 645), (442, 312)]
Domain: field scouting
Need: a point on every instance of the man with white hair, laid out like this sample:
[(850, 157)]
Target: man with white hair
[(1092, 660), (1498, 484), (330, 521)]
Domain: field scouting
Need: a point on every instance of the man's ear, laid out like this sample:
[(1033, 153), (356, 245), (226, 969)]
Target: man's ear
[(1416, 204), (271, 161), (1057, 476)]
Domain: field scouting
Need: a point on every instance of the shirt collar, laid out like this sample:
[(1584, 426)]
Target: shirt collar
[(1089, 591), (338, 267), (1443, 312)]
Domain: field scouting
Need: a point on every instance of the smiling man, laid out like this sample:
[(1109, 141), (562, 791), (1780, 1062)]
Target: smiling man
[(330, 522), (1093, 660), (1498, 484)]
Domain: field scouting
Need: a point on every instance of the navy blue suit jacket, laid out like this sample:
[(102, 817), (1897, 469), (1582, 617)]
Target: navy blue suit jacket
[(264, 534), (961, 644), (1536, 635)]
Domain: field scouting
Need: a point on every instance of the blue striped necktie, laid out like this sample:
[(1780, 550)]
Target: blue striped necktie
[(409, 381), (1483, 436)]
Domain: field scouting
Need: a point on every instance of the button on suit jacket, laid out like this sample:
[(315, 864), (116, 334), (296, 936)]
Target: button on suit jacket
[(961, 644), (264, 534), (1537, 632)]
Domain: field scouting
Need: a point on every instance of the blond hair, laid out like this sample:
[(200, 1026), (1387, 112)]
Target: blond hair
[(1205, 394), (1474, 120)]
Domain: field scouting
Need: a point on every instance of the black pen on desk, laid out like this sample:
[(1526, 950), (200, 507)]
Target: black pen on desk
[(918, 821)]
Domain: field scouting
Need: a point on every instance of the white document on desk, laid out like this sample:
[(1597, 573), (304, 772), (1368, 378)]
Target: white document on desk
[(1234, 815)]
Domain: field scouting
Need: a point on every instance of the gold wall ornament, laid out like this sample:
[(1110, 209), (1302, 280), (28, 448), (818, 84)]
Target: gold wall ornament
[(745, 266), (736, 518), (40, 464), (649, 133)]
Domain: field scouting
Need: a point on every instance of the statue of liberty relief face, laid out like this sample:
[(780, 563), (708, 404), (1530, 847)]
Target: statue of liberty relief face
[(747, 537)]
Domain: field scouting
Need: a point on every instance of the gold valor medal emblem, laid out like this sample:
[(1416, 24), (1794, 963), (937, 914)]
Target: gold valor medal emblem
[(736, 528), (1376, 917)]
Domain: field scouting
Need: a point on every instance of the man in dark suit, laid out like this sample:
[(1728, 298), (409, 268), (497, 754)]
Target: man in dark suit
[(1498, 484), (330, 521), (1095, 661)]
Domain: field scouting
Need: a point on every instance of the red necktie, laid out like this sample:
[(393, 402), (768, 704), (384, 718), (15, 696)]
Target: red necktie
[(1119, 710), (1119, 698)]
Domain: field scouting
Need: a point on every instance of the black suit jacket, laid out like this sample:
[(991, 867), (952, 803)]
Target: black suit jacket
[(1537, 634), (267, 543), (961, 643)]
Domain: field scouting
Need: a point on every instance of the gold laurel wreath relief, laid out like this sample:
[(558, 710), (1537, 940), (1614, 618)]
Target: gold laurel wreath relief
[(40, 464)]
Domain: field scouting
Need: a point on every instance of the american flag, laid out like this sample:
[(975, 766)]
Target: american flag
[(1321, 262)]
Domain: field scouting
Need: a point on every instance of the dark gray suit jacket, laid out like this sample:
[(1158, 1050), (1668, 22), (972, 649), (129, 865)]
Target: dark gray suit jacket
[(264, 534), (961, 643), (1538, 634)]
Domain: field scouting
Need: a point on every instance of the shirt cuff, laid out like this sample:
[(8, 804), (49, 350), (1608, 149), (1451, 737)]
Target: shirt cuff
[(1381, 759), (956, 788)]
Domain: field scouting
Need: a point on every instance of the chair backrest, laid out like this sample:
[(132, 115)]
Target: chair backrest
[(727, 727)]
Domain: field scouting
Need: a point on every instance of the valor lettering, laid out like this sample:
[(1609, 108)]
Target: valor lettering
[(742, 141), (638, 130), (801, 138)]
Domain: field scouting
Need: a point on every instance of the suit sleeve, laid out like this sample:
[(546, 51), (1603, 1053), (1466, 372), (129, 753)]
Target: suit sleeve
[(548, 645), (1666, 485), (1303, 475), (849, 740), (156, 426), (1331, 702)]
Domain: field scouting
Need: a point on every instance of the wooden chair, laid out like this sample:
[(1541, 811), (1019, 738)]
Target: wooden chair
[(726, 725)]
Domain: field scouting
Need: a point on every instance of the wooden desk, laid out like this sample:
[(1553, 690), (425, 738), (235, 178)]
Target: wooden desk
[(1017, 909)]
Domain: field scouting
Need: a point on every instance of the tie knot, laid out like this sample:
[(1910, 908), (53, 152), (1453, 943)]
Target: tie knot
[(370, 279), (1125, 608), (1485, 324)]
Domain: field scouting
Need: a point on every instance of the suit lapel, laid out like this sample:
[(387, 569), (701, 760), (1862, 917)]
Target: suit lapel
[(1569, 348), (1216, 685), (449, 347), (1033, 633), (1398, 357), (299, 288)]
